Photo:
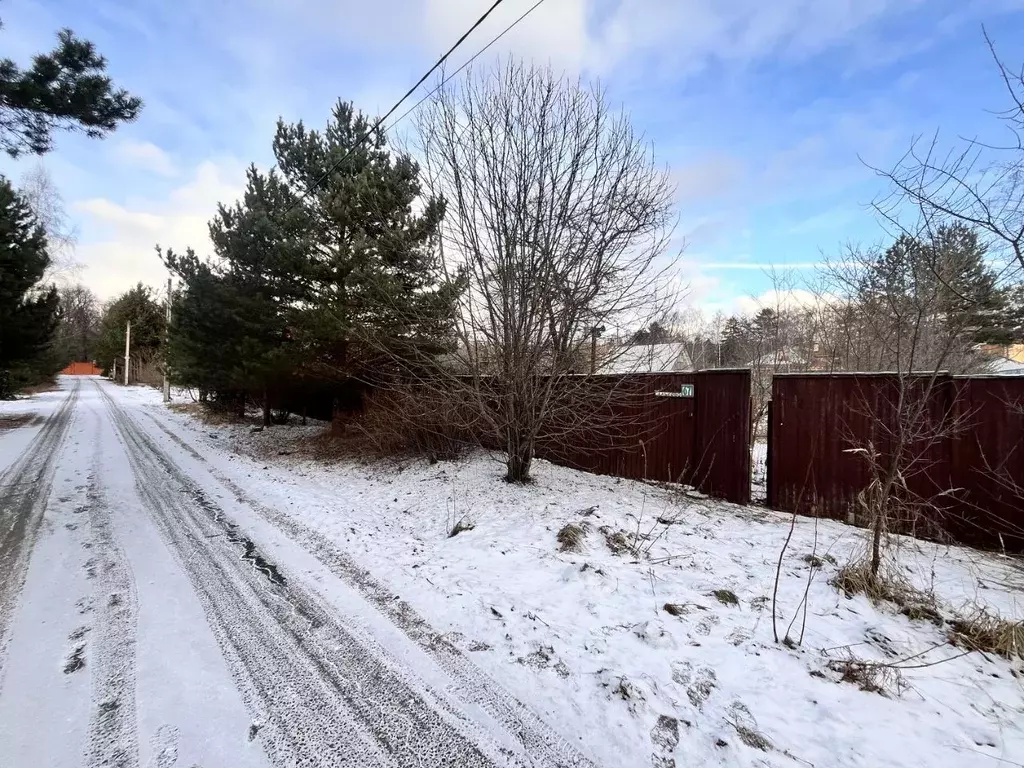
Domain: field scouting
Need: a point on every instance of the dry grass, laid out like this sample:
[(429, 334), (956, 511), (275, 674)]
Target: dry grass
[(38, 389), (870, 676), (682, 609), (989, 633), (818, 562), (725, 596), (14, 421), (570, 538), (207, 414), (752, 738), (856, 578), (923, 612), (461, 526)]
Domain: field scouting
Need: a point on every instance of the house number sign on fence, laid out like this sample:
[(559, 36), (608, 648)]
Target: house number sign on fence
[(685, 390)]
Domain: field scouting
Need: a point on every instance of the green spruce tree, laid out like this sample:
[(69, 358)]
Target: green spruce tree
[(204, 343)]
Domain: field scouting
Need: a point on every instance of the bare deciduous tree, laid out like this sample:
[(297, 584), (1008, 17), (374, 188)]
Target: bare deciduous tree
[(78, 328), (893, 313), (975, 182), (41, 194), (559, 222)]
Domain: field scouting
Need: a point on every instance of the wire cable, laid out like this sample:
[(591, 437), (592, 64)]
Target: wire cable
[(469, 61), (380, 121)]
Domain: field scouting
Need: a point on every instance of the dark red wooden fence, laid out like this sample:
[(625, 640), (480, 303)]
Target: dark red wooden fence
[(971, 463), (652, 433), (629, 426)]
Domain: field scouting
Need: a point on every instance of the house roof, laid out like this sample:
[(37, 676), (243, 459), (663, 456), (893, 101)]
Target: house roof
[(1007, 366), (647, 358)]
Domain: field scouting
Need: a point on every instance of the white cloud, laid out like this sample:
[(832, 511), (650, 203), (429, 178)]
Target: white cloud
[(146, 156), (687, 35), (786, 298), (117, 250), (555, 32)]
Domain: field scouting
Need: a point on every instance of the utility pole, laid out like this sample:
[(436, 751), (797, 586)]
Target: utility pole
[(167, 333), (127, 350), (596, 331)]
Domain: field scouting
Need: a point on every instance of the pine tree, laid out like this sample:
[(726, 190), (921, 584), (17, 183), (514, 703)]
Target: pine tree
[(945, 278), (28, 310), (373, 288), (65, 89), (205, 342), (656, 333), (736, 341), (320, 270)]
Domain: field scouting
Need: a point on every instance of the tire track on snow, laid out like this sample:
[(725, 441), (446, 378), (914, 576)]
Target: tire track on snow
[(541, 743), (113, 735), (24, 490), (320, 697)]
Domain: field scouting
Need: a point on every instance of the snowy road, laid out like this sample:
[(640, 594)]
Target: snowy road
[(154, 614)]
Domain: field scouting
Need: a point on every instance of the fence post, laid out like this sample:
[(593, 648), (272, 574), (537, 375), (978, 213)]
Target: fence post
[(769, 500)]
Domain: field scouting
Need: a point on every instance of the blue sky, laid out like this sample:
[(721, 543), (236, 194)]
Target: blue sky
[(763, 110)]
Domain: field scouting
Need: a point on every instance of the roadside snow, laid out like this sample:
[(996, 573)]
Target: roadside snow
[(21, 420), (583, 638)]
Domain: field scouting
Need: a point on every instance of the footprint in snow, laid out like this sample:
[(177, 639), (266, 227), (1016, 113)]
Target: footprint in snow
[(699, 684), (706, 624), (165, 747)]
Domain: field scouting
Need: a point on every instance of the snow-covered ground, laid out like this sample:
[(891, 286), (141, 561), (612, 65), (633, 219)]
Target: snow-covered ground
[(156, 613), (174, 593), (583, 638), (20, 422)]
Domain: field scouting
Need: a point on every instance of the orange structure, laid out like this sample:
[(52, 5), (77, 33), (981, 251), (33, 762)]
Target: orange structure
[(82, 369)]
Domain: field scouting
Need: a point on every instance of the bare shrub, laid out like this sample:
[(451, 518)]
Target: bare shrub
[(558, 225), (904, 311), (414, 422), (870, 676), (456, 523)]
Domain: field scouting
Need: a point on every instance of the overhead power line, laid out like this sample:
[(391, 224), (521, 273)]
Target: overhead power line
[(380, 121), (468, 61)]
